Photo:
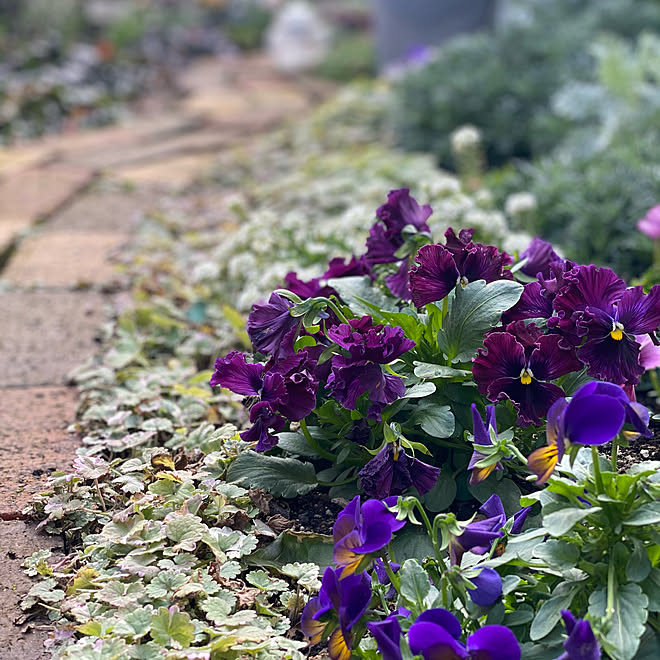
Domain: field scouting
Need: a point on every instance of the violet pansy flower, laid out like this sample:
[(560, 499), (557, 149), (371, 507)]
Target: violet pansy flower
[(347, 600), (482, 437), (594, 416), (392, 471), (514, 368), (487, 585), (362, 529), (581, 643), (387, 634), (436, 634)]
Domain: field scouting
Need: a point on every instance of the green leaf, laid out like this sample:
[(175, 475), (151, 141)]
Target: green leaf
[(649, 648), (295, 443), (472, 311), (415, 584), (419, 391), (562, 521), (306, 575), (442, 494), (550, 612), (363, 298), (218, 607), (627, 620), (263, 581), (430, 371), (506, 489), (100, 649), (172, 628), (559, 555), (290, 547), (135, 624), (437, 421), (647, 514), (185, 530), (281, 477), (639, 564), (165, 583), (651, 587), (411, 543)]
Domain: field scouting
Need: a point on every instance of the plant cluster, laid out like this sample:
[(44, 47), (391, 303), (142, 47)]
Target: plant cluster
[(375, 373), (503, 82)]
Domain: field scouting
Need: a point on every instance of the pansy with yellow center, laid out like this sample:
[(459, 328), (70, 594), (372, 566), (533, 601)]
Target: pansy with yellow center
[(594, 416)]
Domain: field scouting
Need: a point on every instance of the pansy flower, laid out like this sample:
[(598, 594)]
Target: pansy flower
[(271, 327), (516, 368), (488, 525), (481, 435), (581, 643), (392, 471), (486, 586), (595, 303), (286, 390), (387, 634), (343, 599), (594, 416), (539, 256), (436, 634), (362, 529), (368, 347), (439, 268), (386, 237)]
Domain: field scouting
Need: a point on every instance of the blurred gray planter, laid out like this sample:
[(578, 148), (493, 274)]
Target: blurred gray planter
[(402, 26)]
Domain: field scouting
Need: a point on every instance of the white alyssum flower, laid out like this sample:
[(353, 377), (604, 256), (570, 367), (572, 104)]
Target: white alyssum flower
[(520, 203), (465, 138)]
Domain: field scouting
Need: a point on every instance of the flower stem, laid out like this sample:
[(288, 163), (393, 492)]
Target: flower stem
[(432, 531), (315, 445), (597, 475), (611, 588), (614, 458), (517, 453), (391, 574), (336, 310)]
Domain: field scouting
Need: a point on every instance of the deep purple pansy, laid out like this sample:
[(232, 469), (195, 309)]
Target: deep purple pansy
[(387, 634), (392, 471), (539, 256), (368, 346), (362, 529), (506, 368), (271, 327), (478, 536), (581, 643)]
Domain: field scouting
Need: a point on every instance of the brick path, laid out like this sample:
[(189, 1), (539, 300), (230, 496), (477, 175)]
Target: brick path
[(65, 209)]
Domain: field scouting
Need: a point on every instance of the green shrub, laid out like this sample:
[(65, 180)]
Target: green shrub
[(590, 206), (352, 56), (503, 82)]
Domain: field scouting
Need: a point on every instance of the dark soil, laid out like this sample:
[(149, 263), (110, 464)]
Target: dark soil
[(315, 512)]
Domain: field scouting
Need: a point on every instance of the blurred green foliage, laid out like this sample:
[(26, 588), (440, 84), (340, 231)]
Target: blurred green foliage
[(352, 56)]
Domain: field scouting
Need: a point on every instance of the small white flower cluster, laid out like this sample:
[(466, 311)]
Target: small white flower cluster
[(520, 204), (465, 138)]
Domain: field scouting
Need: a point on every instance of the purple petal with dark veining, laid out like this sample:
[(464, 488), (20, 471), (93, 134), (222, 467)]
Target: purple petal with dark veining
[(234, 373), (434, 275)]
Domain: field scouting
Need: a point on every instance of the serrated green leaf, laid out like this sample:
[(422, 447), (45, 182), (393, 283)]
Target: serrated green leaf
[(135, 624), (165, 583), (218, 607), (281, 477), (627, 621), (415, 584), (185, 530), (472, 311), (437, 421), (263, 581), (305, 574), (172, 628)]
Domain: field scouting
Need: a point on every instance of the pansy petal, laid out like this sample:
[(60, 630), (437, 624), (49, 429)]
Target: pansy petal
[(338, 648), (234, 373), (613, 360), (433, 642), (311, 627), (501, 357), (581, 643), (494, 643), (387, 634), (488, 587), (549, 361), (532, 305), (443, 618), (485, 262), (639, 312), (402, 209), (593, 420), (398, 282), (434, 275), (542, 462)]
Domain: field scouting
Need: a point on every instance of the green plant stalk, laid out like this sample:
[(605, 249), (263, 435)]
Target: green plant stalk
[(611, 589), (614, 457), (336, 310), (396, 583), (517, 453), (597, 475), (315, 445)]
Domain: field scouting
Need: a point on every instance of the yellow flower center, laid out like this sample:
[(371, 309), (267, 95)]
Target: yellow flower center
[(526, 376), (463, 281), (617, 331)]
